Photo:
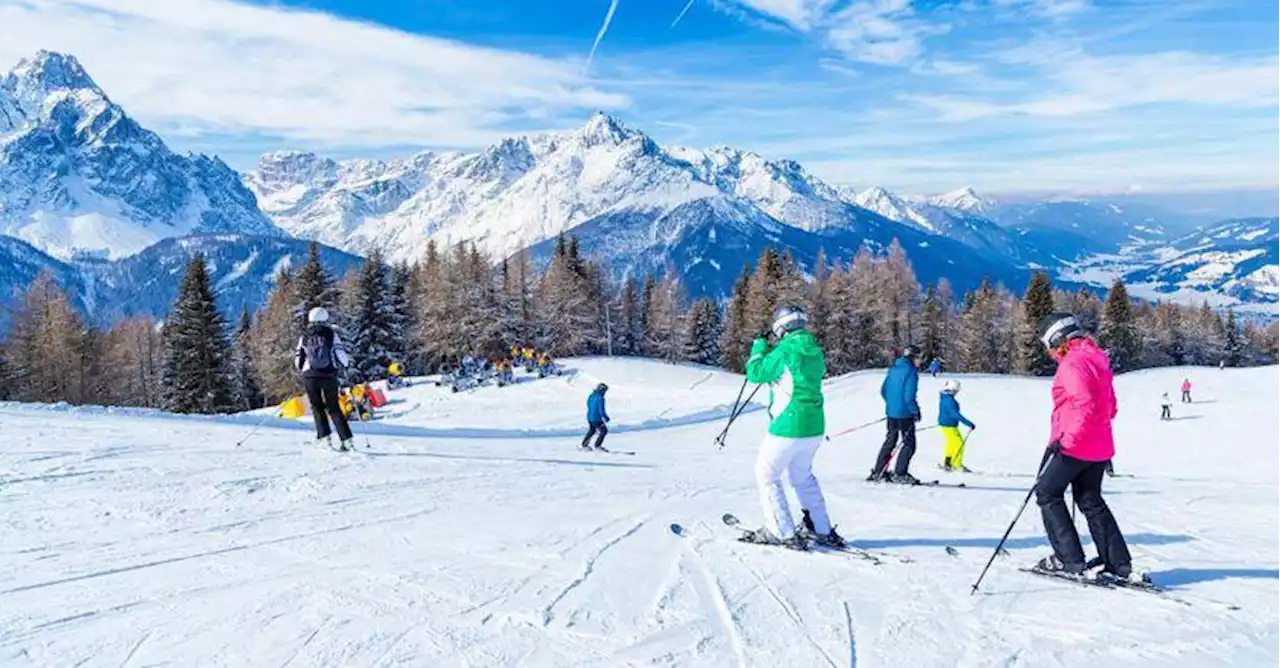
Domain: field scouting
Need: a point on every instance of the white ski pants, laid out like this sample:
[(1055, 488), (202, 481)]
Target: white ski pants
[(792, 457)]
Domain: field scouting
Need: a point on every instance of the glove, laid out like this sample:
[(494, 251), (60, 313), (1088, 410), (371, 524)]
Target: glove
[(916, 417), (764, 333), (1055, 447)]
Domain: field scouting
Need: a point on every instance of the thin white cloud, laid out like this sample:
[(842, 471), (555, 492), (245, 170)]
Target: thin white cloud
[(1083, 84), (604, 29), (879, 32), (217, 66)]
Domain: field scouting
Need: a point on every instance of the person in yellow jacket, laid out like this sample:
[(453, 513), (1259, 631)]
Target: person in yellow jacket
[(949, 421), (395, 375)]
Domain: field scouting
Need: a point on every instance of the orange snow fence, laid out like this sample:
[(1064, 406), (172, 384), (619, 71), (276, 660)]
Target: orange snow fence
[(294, 407)]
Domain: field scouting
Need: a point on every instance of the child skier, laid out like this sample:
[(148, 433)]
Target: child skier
[(1081, 445), (949, 421), (597, 418), (1166, 407), (319, 354), (1186, 390), (934, 367), (902, 412), (793, 369)]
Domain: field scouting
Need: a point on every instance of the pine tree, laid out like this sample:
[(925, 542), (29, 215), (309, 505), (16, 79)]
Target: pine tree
[(371, 338), (400, 347), (1117, 333), (313, 286), (736, 336), (196, 374), (702, 333), (52, 353), (627, 331), (246, 393), (931, 324), (1037, 302), (1234, 344), (663, 309)]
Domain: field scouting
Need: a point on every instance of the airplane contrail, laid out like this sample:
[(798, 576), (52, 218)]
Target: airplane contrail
[(684, 11), (604, 28)]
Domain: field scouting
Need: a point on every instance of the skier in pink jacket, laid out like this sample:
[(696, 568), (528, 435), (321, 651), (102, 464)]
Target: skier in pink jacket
[(1080, 447)]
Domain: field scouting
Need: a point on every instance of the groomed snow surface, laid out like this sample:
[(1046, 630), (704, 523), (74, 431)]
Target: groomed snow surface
[(135, 538)]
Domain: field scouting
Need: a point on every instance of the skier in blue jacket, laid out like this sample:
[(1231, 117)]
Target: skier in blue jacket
[(902, 412), (597, 418), (949, 420)]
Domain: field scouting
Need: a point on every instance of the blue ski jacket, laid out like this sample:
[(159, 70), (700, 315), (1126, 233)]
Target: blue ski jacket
[(899, 390), (595, 408), (949, 412)]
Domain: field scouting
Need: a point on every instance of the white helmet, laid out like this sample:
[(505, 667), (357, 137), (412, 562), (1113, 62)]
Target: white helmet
[(951, 387), (318, 314)]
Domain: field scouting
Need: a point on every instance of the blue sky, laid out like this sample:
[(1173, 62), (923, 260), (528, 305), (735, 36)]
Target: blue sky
[(1010, 96)]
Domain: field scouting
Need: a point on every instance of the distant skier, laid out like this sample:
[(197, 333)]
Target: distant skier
[(1166, 407), (949, 421), (1081, 447), (1186, 390), (793, 369), (934, 367), (319, 354), (902, 412), (597, 418)]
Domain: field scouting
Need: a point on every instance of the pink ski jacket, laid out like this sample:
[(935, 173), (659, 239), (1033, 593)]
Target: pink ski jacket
[(1084, 403), (1186, 386)]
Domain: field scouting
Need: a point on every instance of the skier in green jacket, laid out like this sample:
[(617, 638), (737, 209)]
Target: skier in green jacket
[(793, 368)]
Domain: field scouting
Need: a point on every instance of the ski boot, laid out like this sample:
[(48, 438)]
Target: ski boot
[(325, 442), (807, 531), (946, 464), (347, 445), (904, 479), (763, 537), (878, 476), (1052, 564), (601, 448)]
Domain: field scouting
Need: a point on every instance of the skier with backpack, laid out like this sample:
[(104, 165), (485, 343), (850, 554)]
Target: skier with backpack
[(1081, 446), (902, 412), (793, 369), (597, 419), (318, 357), (949, 421)]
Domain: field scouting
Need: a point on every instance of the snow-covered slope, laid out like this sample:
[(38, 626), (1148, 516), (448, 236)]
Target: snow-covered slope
[(79, 177), (1238, 259), (141, 538)]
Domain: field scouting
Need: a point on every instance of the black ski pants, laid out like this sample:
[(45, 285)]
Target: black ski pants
[(323, 394), (596, 427), (897, 427), (1166, 413), (1186, 397), (1085, 480)]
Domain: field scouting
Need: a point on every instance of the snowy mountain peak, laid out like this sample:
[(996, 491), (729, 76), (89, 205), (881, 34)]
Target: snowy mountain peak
[(605, 129), (48, 71), (78, 176), (963, 199)]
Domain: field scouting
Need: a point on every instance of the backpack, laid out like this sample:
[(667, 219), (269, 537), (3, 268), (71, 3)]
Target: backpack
[(318, 346)]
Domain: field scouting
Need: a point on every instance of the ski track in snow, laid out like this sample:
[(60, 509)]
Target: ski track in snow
[(133, 538)]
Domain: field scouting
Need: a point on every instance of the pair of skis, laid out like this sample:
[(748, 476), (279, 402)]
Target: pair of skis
[(748, 537), (920, 483)]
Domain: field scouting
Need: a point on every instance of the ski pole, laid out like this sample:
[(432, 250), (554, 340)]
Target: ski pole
[(850, 430), (733, 412), (1048, 458), (733, 417), (256, 427), (960, 453)]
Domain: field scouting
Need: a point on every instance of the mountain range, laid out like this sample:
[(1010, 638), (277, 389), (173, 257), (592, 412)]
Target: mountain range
[(104, 204)]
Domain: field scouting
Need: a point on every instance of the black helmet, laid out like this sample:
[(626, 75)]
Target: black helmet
[(1056, 328), (911, 350), (602, 388), (788, 319)]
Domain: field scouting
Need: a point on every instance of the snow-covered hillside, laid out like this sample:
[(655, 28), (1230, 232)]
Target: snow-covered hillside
[(79, 177), (136, 538)]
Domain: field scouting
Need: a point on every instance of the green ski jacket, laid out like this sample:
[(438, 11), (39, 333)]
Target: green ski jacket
[(794, 370)]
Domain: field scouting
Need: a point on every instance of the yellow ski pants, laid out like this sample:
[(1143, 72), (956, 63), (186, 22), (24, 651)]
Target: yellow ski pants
[(953, 442)]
